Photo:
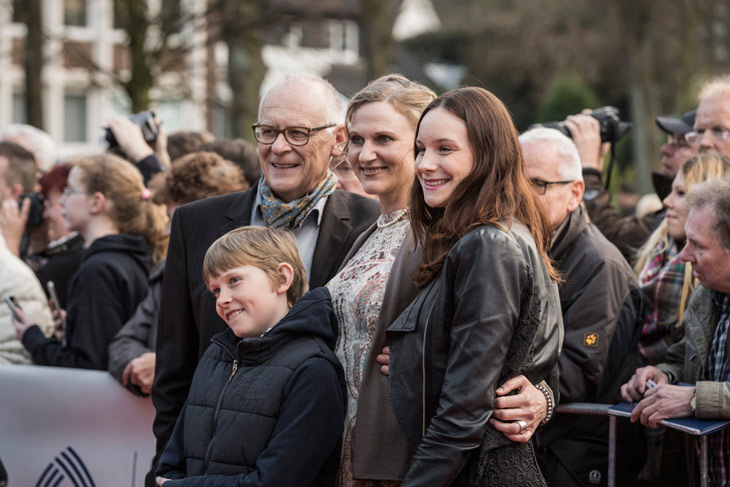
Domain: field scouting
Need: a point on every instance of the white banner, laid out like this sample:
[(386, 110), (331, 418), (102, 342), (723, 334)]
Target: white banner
[(64, 427)]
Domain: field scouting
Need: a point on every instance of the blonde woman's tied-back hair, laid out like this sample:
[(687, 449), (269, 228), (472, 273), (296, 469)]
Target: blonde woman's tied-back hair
[(698, 169), (132, 210), (260, 247), (407, 97)]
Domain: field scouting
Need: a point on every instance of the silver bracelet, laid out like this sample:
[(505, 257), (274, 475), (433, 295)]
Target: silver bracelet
[(549, 400)]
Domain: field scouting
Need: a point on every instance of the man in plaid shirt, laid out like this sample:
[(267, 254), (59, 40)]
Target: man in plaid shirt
[(702, 357)]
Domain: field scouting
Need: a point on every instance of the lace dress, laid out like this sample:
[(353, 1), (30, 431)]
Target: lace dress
[(357, 297)]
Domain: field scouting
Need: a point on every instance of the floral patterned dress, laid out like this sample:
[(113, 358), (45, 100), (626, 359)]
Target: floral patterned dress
[(357, 297)]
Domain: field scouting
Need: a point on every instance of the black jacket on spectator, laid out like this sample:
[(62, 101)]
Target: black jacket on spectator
[(103, 294), (59, 263), (602, 315), (627, 233), (138, 335), (264, 411), (598, 296), (149, 166)]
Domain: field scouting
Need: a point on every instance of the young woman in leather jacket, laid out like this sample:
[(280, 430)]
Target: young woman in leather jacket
[(488, 307)]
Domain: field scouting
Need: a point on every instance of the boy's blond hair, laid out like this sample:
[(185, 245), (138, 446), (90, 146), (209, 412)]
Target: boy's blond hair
[(260, 247)]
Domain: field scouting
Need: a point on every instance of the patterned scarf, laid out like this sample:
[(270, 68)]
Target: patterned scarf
[(661, 281), (290, 215)]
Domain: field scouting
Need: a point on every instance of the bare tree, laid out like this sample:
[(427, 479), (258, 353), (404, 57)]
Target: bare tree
[(377, 18), (241, 28), (30, 13)]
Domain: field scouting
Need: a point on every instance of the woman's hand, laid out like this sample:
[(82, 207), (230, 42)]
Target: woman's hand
[(161, 145), (12, 223), (586, 134), (59, 320), (20, 322), (527, 405), (161, 480), (140, 372), (130, 139), (384, 359)]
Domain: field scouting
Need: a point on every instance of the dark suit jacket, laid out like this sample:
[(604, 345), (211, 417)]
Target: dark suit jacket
[(188, 318)]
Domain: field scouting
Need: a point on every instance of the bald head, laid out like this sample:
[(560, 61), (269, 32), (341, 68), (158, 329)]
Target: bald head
[(309, 105), (318, 91), (712, 122)]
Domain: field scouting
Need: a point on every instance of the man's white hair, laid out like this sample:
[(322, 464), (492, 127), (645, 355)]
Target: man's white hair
[(333, 110), (718, 86), (569, 167), (35, 140)]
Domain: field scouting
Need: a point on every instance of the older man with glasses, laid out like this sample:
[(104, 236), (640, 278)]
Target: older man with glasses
[(298, 131), (712, 125), (601, 307)]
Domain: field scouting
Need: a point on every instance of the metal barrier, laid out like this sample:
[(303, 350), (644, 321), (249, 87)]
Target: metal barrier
[(585, 408)]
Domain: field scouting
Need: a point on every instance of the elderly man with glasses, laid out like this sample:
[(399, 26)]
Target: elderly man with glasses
[(601, 307), (712, 125), (299, 130)]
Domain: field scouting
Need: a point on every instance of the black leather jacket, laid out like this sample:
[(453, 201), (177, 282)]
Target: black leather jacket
[(492, 313)]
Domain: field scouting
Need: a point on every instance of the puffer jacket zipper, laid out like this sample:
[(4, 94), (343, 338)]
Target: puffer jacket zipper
[(218, 405)]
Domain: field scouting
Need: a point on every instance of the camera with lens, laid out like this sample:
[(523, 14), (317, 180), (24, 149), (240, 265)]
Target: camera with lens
[(35, 216), (612, 128), (145, 121)]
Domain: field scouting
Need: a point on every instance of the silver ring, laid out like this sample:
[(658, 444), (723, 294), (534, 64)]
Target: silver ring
[(523, 425)]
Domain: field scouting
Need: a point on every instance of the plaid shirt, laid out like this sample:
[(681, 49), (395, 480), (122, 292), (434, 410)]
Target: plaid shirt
[(661, 280), (718, 370)]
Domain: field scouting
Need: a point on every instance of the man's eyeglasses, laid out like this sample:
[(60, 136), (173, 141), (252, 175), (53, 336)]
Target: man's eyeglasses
[(266, 134), (678, 141), (696, 137), (68, 191), (542, 186)]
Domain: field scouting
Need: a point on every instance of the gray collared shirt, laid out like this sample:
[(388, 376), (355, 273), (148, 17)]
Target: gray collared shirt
[(307, 233)]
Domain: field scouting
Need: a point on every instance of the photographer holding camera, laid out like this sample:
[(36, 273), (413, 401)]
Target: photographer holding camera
[(17, 176), (589, 133), (22, 209), (141, 140)]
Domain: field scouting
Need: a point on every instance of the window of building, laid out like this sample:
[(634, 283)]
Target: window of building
[(74, 118), (343, 35), (19, 108), (74, 13)]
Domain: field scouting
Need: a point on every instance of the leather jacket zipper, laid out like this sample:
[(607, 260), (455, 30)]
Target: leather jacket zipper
[(423, 372)]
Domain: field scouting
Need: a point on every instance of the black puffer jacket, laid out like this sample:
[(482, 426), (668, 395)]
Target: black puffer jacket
[(492, 313), (264, 411)]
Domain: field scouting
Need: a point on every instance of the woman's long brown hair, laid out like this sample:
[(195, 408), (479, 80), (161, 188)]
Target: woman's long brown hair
[(496, 192)]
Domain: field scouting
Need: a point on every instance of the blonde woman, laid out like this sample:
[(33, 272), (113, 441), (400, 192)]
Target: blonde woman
[(381, 122), (665, 280)]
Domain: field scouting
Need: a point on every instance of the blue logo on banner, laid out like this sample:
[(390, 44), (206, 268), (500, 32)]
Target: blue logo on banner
[(68, 465)]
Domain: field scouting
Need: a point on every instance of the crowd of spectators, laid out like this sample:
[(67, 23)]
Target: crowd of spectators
[(465, 282)]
